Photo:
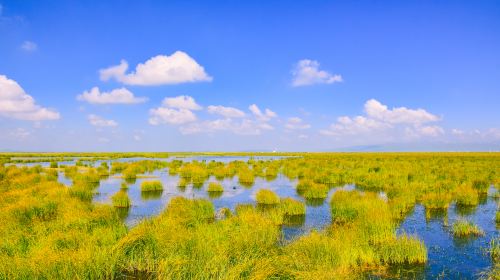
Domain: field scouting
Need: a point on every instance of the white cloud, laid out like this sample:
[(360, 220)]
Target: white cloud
[(181, 102), (29, 46), (307, 72), (377, 110), (174, 110), (430, 130), (179, 111), (263, 116), (383, 123), (16, 104), (116, 96), (296, 123), (101, 122), (353, 126), (164, 115), (159, 70), (228, 112)]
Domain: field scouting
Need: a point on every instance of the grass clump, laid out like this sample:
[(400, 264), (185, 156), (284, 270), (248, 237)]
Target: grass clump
[(215, 187), (267, 197), (304, 185), (481, 186), (292, 207), (121, 200), (436, 201), (466, 196), (316, 191), (149, 186), (404, 249), (464, 228)]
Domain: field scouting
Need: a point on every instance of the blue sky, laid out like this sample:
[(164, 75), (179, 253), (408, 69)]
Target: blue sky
[(262, 75)]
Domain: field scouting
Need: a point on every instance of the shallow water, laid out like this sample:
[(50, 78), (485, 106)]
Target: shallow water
[(448, 257)]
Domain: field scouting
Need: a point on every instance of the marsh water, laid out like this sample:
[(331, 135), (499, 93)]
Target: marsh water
[(448, 257)]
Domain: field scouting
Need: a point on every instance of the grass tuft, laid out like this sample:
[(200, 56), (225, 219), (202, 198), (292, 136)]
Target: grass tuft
[(464, 228), (121, 199), (149, 186), (267, 197)]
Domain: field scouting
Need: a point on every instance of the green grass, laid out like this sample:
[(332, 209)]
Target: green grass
[(495, 249), (463, 228), (304, 185), (267, 197), (149, 186), (121, 199), (215, 187), (292, 207), (51, 231), (403, 250), (316, 191), (466, 196), (436, 201)]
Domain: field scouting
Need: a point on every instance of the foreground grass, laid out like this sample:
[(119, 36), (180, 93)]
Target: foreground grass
[(50, 231)]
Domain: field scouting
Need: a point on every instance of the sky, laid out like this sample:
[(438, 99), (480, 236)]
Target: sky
[(249, 75)]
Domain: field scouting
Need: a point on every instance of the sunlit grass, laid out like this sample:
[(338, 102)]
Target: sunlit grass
[(316, 191), (121, 199), (268, 197), (464, 228), (215, 187), (148, 186)]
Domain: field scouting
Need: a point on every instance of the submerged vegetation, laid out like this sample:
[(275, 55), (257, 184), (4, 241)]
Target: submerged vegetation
[(53, 231)]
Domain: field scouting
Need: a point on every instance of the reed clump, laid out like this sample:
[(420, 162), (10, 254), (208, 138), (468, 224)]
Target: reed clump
[(466, 196), (151, 186), (267, 197), (316, 191), (464, 228), (292, 207), (436, 201), (215, 187), (121, 199)]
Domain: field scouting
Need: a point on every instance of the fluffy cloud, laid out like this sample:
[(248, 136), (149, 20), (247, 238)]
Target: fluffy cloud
[(179, 111), (101, 122), (181, 102), (377, 110), (262, 116), (296, 123), (164, 115), (116, 96), (29, 46), (353, 126), (159, 70), (385, 123), (228, 112), (307, 72), (174, 110), (16, 104)]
